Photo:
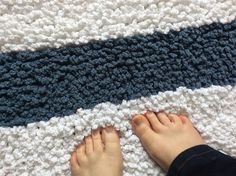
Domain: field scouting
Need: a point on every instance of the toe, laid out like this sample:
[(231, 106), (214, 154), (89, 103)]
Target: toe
[(111, 140), (97, 140), (88, 145), (74, 167), (164, 118), (185, 120), (80, 154), (139, 119), (154, 121), (142, 129), (175, 119)]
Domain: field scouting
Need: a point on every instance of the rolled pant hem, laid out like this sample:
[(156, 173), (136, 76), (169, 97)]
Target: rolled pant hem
[(186, 156)]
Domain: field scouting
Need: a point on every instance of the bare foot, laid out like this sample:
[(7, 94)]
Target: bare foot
[(99, 155), (165, 136)]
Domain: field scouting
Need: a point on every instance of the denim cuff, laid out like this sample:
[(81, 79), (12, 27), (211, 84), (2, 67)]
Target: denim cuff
[(183, 165)]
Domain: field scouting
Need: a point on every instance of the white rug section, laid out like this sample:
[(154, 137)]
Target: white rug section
[(34, 24), (44, 148)]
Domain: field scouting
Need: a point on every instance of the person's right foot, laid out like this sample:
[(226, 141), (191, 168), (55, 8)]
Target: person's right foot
[(165, 136), (99, 155)]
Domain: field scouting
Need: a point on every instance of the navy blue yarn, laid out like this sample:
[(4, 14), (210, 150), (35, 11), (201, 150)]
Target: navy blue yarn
[(51, 82)]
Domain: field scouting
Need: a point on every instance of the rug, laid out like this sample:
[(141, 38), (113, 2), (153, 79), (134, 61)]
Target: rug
[(67, 67)]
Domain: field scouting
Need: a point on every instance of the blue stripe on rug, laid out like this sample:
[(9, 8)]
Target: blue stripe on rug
[(38, 85)]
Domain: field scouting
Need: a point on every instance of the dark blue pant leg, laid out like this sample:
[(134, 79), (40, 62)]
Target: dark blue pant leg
[(202, 160)]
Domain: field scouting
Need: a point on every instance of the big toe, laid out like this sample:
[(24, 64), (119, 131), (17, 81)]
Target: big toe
[(140, 124), (143, 129), (111, 140)]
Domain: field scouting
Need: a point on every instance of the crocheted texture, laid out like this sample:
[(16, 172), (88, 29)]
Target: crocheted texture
[(67, 67), (33, 24), (55, 82), (43, 148)]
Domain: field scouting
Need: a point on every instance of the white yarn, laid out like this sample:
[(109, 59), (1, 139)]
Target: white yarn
[(43, 148), (33, 24)]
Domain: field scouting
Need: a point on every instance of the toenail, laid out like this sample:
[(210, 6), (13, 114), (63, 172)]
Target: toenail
[(95, 132), (109, 130), (161, 111), (149, 112), (138, 121)]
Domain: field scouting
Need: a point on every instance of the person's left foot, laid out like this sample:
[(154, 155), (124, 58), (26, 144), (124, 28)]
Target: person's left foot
[(99, 155), (165, 136)]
